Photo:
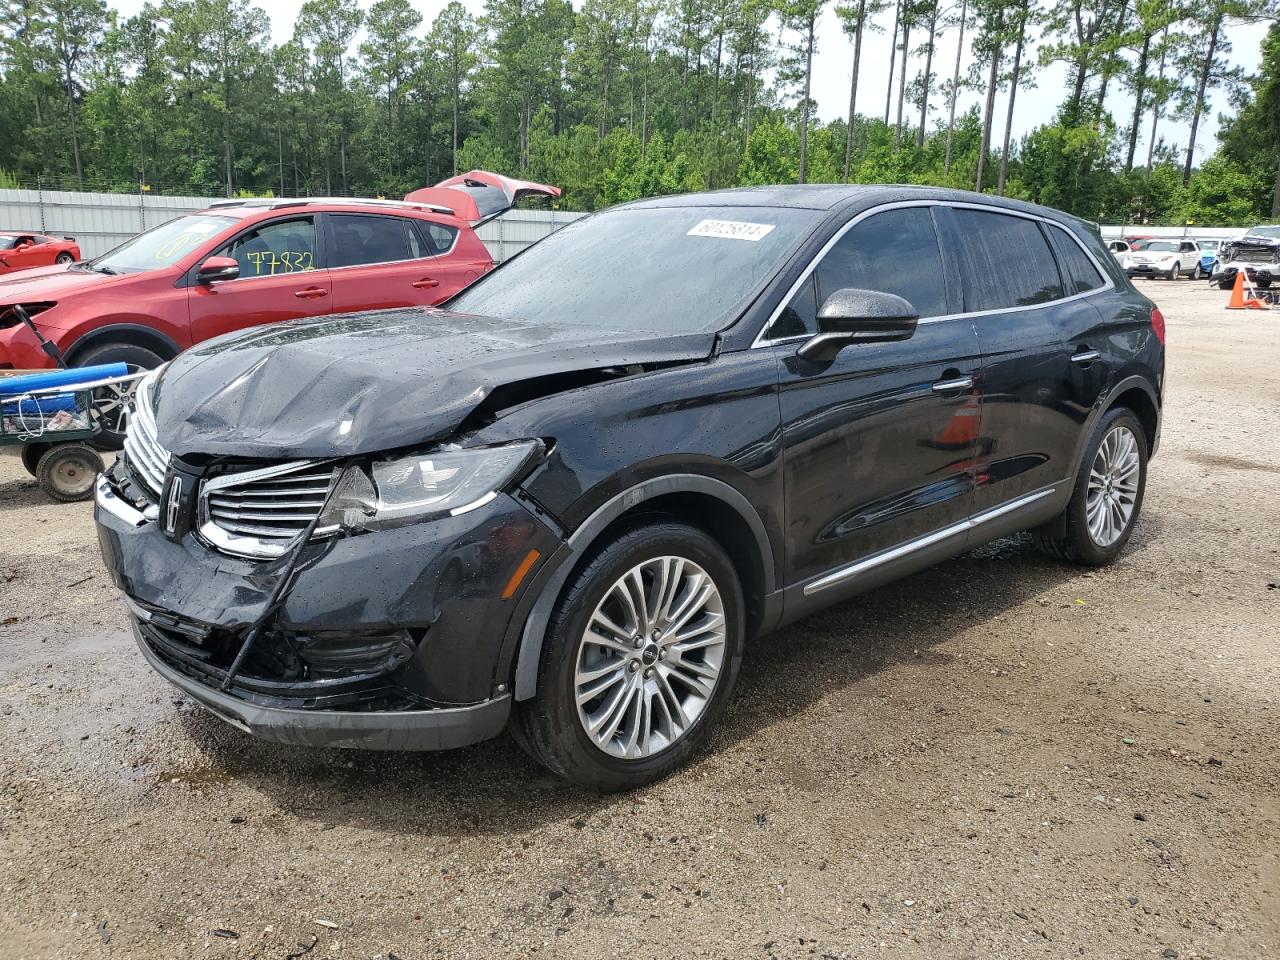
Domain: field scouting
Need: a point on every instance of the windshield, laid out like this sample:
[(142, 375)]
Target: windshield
[(6, 243), (1271, 233), (161, 246), (666, 269), (1160, 246)]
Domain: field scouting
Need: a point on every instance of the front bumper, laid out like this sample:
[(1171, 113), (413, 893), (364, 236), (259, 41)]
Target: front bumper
[(442, 728), (435, 588), (1254, 272)]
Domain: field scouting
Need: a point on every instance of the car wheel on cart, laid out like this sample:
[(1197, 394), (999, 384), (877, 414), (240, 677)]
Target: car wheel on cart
[(639, 661), (31, 454), (67, 470), (109, 403)]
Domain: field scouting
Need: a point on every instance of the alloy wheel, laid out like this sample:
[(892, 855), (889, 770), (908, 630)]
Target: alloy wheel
[(650, 657), (1113, 486), (111, 401)]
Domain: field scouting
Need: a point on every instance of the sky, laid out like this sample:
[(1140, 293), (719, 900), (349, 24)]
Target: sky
[(832, 64)]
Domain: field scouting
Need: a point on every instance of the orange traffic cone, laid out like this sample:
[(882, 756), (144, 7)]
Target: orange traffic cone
[(1237, 301)]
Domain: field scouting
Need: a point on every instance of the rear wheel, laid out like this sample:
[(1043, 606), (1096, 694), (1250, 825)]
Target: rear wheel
[(64, 258), (67, 470), (1198, 273), (639, 661), (109, 403), (1174, 271), (1107, 498)]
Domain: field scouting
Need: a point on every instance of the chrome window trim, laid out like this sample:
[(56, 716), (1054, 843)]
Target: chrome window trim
[(270, 276), (1107, 282), (849, 571), (407, 220)]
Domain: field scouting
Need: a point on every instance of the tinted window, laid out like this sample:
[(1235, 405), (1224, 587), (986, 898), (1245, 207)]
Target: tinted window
[(893, 252), (1079, 275), (677, 269), (282, 246), (799, 318), (438, 237), (361, 240), (1005, 260)]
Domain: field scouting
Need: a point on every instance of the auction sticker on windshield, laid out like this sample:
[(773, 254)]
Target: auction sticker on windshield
[(730, 230)]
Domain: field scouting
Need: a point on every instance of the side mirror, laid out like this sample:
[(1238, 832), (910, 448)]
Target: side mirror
[(217, 268), (851, 315)]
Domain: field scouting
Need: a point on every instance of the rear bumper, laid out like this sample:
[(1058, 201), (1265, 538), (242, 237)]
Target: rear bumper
[(439, 729)]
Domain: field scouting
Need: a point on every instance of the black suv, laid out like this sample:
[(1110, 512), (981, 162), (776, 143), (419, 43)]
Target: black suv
[(564, 502)]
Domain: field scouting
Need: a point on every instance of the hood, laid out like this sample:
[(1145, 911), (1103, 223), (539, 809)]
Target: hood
[(365, 382), (51, 283), (480, 195)]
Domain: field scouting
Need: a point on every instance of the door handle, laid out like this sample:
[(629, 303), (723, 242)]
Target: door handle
[(426, 283), (1085, 357), (311, 293), (952, 386)]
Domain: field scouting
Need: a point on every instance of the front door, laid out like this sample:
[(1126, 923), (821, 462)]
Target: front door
[(879, 442), (282, 277)]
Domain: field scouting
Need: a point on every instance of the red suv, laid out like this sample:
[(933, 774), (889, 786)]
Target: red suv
[(246, 262)]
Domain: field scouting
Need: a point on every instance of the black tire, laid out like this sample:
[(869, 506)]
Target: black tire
[(1068, 538), (31, 454), (67, 470), (1263, 284), (1199, 273), (64, 258), (110, 435), (548, 727), (1173, 272), (1226, 284)]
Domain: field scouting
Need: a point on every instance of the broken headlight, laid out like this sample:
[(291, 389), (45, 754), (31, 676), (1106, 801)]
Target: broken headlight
[(389, 493)]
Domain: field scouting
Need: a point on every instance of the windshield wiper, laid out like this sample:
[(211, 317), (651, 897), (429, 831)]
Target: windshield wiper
[(102, 268)]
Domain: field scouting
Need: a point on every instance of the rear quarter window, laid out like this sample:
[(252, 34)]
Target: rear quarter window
[(1079, 275), (1005, 261)]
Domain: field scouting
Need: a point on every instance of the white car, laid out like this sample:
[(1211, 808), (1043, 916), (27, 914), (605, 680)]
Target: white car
[(1163, 258), (1257, 253)]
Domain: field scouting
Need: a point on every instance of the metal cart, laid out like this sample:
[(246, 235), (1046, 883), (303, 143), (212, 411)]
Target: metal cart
[(52, 430)]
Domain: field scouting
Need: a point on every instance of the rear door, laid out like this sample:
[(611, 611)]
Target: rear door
[(879, 442), (1044, 353), (282, 277), (379, 261)]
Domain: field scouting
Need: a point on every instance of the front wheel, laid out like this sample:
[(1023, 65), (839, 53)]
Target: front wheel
[(1107, 497), (639, 661)]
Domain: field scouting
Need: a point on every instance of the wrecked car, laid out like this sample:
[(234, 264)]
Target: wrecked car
[(1257, 253), (562, 503)]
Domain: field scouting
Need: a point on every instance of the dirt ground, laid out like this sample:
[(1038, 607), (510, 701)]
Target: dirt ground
[(1000, 757)]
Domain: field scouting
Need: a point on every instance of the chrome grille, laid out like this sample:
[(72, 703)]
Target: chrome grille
[(261, 513), (145, 458)]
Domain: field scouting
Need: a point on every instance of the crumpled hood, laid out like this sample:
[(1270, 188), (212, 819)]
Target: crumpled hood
[(363, 382)]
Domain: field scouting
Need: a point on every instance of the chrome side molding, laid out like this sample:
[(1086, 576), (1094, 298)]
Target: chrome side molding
[(846, 573)]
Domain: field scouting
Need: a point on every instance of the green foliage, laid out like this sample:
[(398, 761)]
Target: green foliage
[(614, 100)]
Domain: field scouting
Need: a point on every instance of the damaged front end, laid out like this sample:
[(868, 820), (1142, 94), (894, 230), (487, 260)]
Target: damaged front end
[(1257, 257), (318, 539)]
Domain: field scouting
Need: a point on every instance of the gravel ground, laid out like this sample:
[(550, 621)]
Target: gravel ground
[(999, 757)]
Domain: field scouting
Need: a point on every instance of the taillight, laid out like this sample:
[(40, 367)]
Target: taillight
[(1157, 323)]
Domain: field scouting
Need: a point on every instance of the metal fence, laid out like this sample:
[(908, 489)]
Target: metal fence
[(100, 221)]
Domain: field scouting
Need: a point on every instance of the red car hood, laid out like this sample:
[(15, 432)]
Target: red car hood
[(479, 194), (50, 283)]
